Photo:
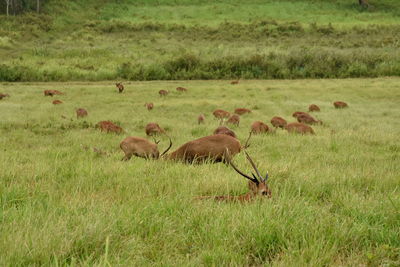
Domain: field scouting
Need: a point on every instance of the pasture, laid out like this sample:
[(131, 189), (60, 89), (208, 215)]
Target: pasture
[(335, 196)]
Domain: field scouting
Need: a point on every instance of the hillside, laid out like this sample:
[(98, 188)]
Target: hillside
[(188, 39)]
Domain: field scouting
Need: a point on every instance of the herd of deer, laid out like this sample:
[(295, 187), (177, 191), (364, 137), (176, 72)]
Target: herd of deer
[(221, 146)]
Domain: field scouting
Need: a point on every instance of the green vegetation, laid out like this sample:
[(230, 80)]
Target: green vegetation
[(188, 39), (335, 197)]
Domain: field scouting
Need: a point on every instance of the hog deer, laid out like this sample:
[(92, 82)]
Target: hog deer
[(149, 106), (235, 82), (57, 102), (109, 127), (163, 92), (278, 122), (221, 114), (224, 130), (300, 128), (140, 147), (52, 92), (120, 87), (257, 185), (3, 96), (181, 89), (241, 111), (259, 127), (214, 148), (308, 119), (340, 104), (81, 112), (313, 107), (153, 128), (201, 118), (234, 119), (297, 113)]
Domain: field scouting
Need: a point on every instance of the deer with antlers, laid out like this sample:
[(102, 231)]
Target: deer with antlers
[(257, 185), (140, 147)]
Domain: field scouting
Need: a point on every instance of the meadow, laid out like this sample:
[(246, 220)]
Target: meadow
[(335, 196)]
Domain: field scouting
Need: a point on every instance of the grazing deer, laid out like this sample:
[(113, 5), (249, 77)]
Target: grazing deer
[(3, 96), (120, 87), (221, 114), (235, 82), (201, 118), (241, 111), (313, 107), (257, 185), (297, 127), (81, 112), (57, 102), (297, 113), (224, 130), (234, 119), (259, 127), (278, 122), (109, 127), (181, 89), (149, 106), (308, 119), (52, 92), (163, 92), (340, 104), (214, 148), (140, 147), (153, 128)]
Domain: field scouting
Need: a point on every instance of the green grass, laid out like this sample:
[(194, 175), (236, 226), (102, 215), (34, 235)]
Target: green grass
[(335, 195)]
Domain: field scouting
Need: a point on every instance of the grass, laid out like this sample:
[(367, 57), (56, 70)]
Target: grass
[(335, 195)]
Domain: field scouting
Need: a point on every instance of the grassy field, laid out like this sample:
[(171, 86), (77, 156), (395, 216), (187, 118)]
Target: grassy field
[(188, 39), (335, 195)]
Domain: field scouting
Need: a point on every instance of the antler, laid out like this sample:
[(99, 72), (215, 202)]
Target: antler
[(254, 167), (246, 145), (169, 147), (155, 141), (254, 179)]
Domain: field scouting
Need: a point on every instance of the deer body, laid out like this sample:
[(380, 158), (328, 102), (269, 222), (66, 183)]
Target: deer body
[(149, 106), (139, 147), (81, 112), (234, 119), (201, 118), (297, 113), (120, 87), (3, 96), (297, 127), (259, 127), (340, 104), (241, 111), (57, 102), (163, 92), (52, 92), (313, 107), (153, 128), (308, 119), (221, 114), (224, 130), (278, 122), (181, 89), (108, 126)]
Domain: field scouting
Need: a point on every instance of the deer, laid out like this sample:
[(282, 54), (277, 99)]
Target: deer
[(141, 147), (108, 126), (278, 122), (259, 127), (241, 111), (313, 107), (221, 114), (340, 104), (81, 112), (297, 113), (163, 92), (57, 102), (308, 119), (3, 96), (201, 118), (235, 82), (153, 128), (257, 185), (300, 128), (52, 92), (224, 130), (120, 87), (181, 89), (234, 119), (149, 106)]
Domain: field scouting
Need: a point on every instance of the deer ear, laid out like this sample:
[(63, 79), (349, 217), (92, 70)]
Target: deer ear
[(266, 177)]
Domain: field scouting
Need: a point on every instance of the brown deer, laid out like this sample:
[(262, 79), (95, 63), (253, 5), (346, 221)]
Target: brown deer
[(363, 3), (224, 130), (3, 96), (297, 127), (81, 112), (201, 118), (149, 106), (163, 92), (213, 148), (241, 111), (278, 122), (153, 128), (234, 119), (109, 127), (297, 113), (120, 87), (235, 82), (57, 102), (257, 185), (313, 107), (340, 104), (140, 147), (52, 92), (259, 127), (307, 119), (181, 89), (221, 114)]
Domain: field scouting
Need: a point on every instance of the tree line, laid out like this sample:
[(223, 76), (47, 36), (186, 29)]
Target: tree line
[(14, 7)]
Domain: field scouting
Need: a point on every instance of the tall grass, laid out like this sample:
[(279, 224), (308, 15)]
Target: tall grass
[(335, 195)]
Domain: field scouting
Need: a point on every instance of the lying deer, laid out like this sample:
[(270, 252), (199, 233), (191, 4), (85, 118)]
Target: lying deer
[(313, 107), (3, 96), (52, 92), (308, 119), (241, 111), (235, 82), (57, 102), (81, 112), (297, 113), (108, 126), (181, 89), (340, 104), (140, 147), (120, 87), (257, 185)]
